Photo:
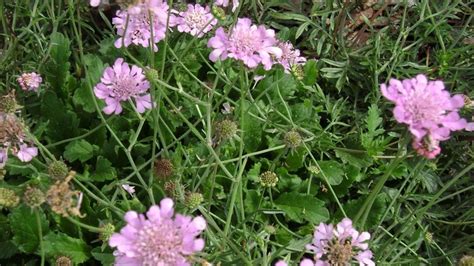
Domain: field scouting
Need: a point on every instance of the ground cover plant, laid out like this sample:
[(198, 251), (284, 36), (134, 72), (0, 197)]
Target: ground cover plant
[(243, 132)]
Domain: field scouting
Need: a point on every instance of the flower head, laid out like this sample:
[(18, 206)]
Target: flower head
[(160, 238), (94, 3), (430, 112), (130, 189), (139, 23), (225, 3), (122, 83), (30, 81), (290, 56), (340, 245), (249, 43), (13, 138), (196, 20)]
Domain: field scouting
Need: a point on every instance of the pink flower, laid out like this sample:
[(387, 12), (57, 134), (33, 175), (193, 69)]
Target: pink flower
[(29, 81), (95, 3), (121, 83), (196, 20), (428, 110), (26, 154), (225, 3), (129, 189), (339, 246), (140, 22), (249, 43), (290, 56), (160, 238), (281, 263)]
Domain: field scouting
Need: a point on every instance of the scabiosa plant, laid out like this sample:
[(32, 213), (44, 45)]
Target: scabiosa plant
[(225, 3), (122, 83), (249, 43), (29, 81), (139, 23), (196, 20), (290, 56), (160, 238), (339, 246), (430, 112)]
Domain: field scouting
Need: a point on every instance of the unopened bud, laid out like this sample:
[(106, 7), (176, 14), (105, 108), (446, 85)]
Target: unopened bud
[(193, 200), (34, 197), (58, 170), (293, 139)]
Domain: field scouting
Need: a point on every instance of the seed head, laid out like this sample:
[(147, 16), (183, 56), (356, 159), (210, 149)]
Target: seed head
[(225, 129), (268, 179), (170, 188), (8, 198), (164, 168), (429, 237), (466, 261), (108, 230), (293, 139), (8, 103), (57, 170), (63, 261), (62, 199), (194, 199), (33, 197), (314, 169)]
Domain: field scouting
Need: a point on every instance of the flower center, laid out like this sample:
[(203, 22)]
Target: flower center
[(244, 41), (125, 88), (195, 20), (423, 107), (160, 244), (339, 254)]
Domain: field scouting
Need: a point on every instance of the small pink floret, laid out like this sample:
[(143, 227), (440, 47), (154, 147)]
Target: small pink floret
[(30, 81)]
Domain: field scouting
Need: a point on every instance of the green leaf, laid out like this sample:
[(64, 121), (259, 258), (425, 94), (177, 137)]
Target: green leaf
[(58, 67), (62, 245), (104, 258), (25, 228), (254, 172), (62, 123), (301, 207), (8, 249), (310, 72), (295, 159), (251, 127), (83, 95), (79, 150), (333, 170), (103, 170), (376, 213)]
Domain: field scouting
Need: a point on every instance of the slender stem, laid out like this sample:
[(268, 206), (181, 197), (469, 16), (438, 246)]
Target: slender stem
[(40, 235)]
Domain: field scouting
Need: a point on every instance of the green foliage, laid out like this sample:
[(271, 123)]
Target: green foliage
[(56, 245), (300, 207), (26, 228), (81, 150)]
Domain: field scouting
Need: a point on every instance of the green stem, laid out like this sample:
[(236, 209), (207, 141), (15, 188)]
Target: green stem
[(40, 234)]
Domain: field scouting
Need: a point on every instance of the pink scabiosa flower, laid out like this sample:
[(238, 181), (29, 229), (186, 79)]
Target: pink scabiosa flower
[(122, 83), (196, 20), (30, 81), (25, 153), (290, 56), (3, 157), (249, 43), (339, 246), (139, 23), (160, 238), (95, 3), (225, 3), (430, 112)]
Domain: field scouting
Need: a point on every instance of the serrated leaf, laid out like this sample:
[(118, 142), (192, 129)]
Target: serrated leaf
[(254, 172), (103, 170), (79, 150), (62, 245), (333, 170), (310, 72), (301, 207), (25, 228), (103, 257)]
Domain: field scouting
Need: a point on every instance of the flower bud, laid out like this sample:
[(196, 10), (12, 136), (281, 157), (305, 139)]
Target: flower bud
[(8, 198), (466, 261), (297, 71), (34, 197), (151, 74), (8, 103), (268, 179), (225, 129), (58, 170), (293, 139), (218, 12), (63, 261), (193, 200), (108, 231)]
